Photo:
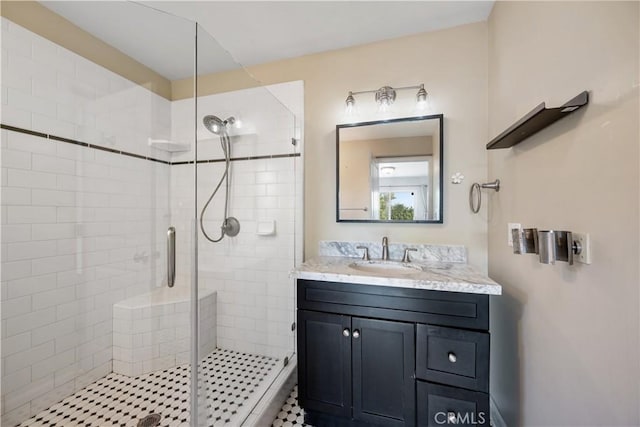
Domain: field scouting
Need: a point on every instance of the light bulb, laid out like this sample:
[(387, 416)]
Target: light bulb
[(349, 109), (383, 105), (421, 98), (350, 102), (385, 97)]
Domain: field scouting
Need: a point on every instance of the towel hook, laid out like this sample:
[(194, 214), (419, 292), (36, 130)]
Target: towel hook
[(475, 195)]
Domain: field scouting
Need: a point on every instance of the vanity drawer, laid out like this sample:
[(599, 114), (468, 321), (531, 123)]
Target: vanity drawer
[(456, 309), (441, 405), (453, 356)]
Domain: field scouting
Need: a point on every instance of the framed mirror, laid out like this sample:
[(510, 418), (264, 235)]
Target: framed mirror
[(390, 170)]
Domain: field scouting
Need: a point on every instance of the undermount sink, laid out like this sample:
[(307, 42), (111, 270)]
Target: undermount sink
[(385, 268)]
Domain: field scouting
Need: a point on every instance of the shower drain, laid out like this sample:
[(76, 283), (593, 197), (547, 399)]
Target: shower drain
[(150, 421)]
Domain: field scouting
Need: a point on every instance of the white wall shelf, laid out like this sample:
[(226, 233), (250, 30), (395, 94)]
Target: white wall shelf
[(169, 146)]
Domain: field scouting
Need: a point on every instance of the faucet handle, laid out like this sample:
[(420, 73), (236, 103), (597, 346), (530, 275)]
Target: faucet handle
[(406, 258), (365, 255)]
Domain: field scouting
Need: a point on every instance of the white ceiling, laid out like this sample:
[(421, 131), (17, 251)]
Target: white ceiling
[(256, 32)]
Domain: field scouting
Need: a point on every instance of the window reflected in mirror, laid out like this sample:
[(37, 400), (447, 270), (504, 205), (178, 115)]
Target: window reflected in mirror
[(390, 171), (403, 188)]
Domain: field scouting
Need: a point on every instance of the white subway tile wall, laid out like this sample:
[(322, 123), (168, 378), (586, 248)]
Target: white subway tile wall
[(250, 272), (52, 90), (72, 217)]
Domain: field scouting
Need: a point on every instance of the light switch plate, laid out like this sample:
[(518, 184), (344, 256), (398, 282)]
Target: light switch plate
[(584, 256), (511, 226)]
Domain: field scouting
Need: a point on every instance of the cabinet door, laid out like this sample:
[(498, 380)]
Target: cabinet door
[(324, 362), (383, 368)]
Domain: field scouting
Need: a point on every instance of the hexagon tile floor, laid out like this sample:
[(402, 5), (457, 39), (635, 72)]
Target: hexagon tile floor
[(118, 400), (290, 414)]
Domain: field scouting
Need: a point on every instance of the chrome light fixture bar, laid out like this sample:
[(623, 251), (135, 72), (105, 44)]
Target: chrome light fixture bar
[(386, 95)]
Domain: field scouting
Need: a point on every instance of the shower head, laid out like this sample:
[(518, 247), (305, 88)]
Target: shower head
[(216, 125), (213, 123)]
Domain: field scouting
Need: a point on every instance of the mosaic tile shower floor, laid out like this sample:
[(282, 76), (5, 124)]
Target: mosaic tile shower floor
[(118, 400), (291, 414)]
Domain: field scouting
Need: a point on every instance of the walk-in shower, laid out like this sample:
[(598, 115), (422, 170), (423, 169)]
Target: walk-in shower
[(103, 150), (230, 225)]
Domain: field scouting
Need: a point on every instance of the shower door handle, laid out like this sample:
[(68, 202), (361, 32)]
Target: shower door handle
[(171, 256)]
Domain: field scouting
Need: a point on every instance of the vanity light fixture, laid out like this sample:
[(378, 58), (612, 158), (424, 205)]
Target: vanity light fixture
[(385, 97)]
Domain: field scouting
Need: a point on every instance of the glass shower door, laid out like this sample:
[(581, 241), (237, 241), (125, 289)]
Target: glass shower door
[(247, 174), (89, 325)]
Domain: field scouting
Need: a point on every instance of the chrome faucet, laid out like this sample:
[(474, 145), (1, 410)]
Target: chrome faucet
[(385, 249), (365, 255)]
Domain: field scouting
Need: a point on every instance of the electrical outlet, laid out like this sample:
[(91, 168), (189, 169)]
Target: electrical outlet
[(510, 227), (584, 256)]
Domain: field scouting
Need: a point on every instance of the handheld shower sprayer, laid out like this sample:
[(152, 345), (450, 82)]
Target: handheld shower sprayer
[(230, 225), (216, 125)]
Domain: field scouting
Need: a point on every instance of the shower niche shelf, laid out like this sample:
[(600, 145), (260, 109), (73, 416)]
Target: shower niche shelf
[(536, 120), (169, 146)]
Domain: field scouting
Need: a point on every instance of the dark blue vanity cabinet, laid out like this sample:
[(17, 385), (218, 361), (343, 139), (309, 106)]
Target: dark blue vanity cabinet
[(390, 356)]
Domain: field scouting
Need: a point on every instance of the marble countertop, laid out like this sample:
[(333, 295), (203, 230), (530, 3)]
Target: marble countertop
[(437, 276)]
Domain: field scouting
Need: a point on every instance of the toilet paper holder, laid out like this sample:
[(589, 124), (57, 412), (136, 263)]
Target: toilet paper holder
[(550, 245)]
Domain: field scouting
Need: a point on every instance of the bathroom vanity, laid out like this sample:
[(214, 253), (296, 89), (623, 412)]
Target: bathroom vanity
[(393, 344)]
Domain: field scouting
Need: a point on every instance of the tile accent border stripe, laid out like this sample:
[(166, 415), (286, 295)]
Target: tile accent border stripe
[(81, 143), (138, 156), (238, 159), (21, 130), (69, 141)]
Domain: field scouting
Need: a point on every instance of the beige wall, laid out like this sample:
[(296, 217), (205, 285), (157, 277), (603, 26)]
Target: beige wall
[(400, 147), (453, 65), (355, 180), (565, 340)]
